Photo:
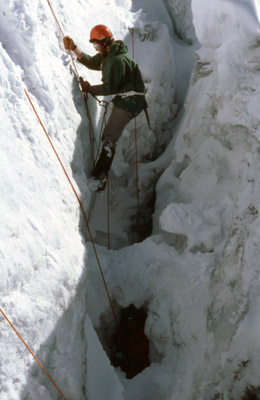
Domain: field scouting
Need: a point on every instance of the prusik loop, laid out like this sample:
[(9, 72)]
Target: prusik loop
[(34, 356), (80, 204)]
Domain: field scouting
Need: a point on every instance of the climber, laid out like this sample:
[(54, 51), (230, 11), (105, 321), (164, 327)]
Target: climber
[(121, 77)]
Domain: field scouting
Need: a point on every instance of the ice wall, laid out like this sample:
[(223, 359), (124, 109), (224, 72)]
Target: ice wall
[(220, 21), (181, 14), (44, 256), (212, 208)]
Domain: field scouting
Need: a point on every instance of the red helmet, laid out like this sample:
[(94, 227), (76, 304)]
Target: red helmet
[(100, 32)]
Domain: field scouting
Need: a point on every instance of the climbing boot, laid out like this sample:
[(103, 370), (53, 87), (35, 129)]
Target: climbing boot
[(104, 161)]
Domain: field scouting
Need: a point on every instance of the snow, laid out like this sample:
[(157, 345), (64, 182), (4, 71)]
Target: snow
[(99, 366), (222, 20), (196, 271)]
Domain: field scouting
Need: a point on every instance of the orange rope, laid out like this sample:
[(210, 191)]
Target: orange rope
[(137, 187), (80, 204), (91, 134), (34, 356), (136, 160), (133, 43), (85, 98), (55, 17), (108, 214)]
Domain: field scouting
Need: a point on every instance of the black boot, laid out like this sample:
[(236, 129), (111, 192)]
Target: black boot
[(104, 161), (103, 164)]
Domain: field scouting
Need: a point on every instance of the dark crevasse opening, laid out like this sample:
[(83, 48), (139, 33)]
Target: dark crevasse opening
[(126, 344), (252, 393)]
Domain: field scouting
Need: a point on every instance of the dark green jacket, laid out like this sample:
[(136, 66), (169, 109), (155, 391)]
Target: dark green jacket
[(120, 74)]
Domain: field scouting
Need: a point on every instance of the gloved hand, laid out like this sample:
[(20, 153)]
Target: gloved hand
[(68, 43), (84, 84)]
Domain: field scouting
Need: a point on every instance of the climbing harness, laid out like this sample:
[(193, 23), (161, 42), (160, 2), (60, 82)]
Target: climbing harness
[(127, 97), (130, 106), (34, 356)]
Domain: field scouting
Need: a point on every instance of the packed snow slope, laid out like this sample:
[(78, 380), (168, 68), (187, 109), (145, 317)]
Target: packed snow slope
[(197, 271)]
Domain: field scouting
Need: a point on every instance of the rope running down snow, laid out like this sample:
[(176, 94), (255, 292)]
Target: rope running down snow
[(34, 356), (93, 160), (80, 204), (136, 158), (108, 212)]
